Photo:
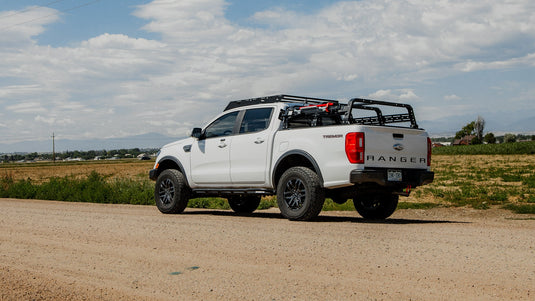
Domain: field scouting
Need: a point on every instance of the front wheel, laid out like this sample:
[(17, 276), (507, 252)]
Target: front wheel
[(378, 205), (244, 203), (299, 194), (171, 192)]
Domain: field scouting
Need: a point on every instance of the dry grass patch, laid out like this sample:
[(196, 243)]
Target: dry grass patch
[(480, 180), (41, 172)]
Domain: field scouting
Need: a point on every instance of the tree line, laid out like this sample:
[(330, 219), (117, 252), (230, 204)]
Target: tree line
[(475, 129), (84, 155)]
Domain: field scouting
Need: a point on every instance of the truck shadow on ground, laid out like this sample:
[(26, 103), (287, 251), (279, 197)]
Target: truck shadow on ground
[(324, 218)]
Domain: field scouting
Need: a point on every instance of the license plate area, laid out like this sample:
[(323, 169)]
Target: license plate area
[(394, 175)]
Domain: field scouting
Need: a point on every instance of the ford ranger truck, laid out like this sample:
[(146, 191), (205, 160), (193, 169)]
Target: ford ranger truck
[(302, 150)]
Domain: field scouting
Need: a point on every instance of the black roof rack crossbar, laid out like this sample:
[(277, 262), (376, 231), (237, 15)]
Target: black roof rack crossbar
[(278, 98), (365, 120)]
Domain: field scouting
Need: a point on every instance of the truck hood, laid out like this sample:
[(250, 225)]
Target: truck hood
[(180, 142)]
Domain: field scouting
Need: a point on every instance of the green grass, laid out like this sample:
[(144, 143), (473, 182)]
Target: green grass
[(329, 205), (209, 203), (521, 208), (481, 181), (425, 205), (94, 189), (517, 148)]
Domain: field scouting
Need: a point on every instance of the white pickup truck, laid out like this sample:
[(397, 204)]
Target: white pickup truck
[(302, 150)]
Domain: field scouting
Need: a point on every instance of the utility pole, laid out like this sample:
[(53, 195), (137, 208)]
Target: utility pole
[(53, 147)]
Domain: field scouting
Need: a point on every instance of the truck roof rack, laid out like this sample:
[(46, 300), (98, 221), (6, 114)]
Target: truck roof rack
[(320, 111), (379, 119), (278, 98)]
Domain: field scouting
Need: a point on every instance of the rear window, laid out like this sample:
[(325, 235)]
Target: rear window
[(255, 120)]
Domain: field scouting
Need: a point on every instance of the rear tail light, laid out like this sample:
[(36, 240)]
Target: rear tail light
[(429, 150), (355, 147)]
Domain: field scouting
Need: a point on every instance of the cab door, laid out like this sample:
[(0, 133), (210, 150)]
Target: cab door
[(250, 148), (210, 155)]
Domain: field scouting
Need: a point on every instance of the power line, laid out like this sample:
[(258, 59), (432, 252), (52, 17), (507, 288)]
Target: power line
[(29, 9), (56, 13)]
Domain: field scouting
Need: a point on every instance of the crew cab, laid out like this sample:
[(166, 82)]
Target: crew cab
[(301, 149)]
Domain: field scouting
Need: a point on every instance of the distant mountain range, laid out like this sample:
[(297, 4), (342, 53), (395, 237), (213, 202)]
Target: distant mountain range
[(148, 140)]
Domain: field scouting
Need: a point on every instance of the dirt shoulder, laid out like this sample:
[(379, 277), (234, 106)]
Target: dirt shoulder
[(79, 251)]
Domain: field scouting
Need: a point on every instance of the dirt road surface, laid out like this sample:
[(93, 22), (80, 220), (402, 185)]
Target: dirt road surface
[(79, 251)]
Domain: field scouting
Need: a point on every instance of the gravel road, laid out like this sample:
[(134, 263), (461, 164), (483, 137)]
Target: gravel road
[(79, 251)]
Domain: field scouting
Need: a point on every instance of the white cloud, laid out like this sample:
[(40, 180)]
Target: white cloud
[(54, 120), (382, 94), (451, 97), (26, 108), (470, 66), (398, 94), (408, 94), (277, 17), (113, 81), (17, 29), (187, 21)]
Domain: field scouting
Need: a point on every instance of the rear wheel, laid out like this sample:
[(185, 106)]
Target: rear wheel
[(244, 203), (299, 194), (379, 205), (171, 192)]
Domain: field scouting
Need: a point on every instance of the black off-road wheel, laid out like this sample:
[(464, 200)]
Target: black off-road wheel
[(299, 194), (377, 206), (171, 192), (244, 203)]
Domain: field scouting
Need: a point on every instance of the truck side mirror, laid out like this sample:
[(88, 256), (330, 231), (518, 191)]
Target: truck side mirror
[(196, 133)]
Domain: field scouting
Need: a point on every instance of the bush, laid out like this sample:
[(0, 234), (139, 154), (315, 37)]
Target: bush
[(23, 189), (94, 189), (521, 208), (490, 138), (509, 138)]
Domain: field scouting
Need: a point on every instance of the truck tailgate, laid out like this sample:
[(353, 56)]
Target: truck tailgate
[(391, 147)]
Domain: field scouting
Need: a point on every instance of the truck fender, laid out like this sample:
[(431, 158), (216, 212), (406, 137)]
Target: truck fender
[(294, 158), (170, 162)]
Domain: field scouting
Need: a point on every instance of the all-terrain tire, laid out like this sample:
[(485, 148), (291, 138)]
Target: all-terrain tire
[(299, 194), (377, 205), (244, 203), (171, 192)]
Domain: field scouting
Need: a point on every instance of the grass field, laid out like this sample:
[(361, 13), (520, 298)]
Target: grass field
[(481, 181), (517, 148), (113, 169), (478, 181)]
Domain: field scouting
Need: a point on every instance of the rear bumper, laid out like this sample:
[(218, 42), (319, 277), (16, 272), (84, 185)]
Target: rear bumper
[(412, 177)]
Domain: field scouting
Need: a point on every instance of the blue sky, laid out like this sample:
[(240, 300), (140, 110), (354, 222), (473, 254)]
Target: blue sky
[(113, 68), (95, 17)]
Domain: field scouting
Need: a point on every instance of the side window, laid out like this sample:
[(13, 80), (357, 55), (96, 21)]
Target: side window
[(222, 126), (256, 120)]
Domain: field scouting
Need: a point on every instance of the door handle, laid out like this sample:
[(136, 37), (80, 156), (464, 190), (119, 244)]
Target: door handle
[(259, 141), (222, 143)]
